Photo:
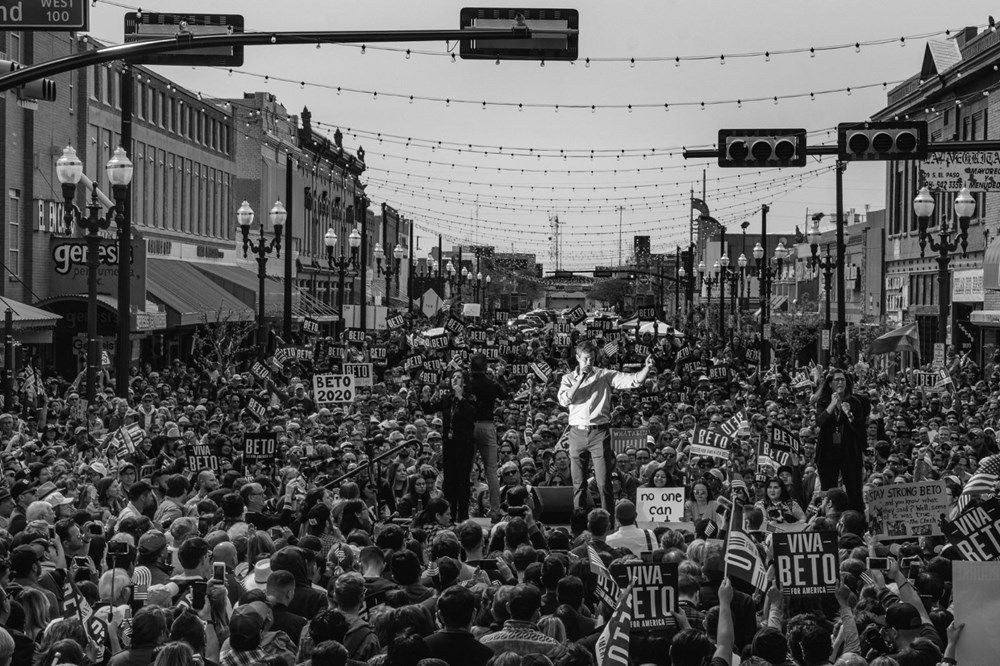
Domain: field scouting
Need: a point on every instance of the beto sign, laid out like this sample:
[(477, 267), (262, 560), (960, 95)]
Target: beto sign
[(61, 15)]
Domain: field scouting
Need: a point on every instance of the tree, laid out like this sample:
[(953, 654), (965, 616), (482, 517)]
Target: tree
[(611, 290), (793, 333), (221, 344)]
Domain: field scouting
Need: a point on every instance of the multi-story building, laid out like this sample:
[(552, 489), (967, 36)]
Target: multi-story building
[(195, 160), (951, 92)]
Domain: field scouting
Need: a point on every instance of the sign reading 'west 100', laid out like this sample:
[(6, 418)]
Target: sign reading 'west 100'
[(45, 15)]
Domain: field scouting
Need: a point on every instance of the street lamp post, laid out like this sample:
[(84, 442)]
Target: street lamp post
[(342, 263), (69, 170), (741, 277), (390, 270), (721, 275), (709, 279), (262, 248), (827, 264), (965, 208), (765, 276)]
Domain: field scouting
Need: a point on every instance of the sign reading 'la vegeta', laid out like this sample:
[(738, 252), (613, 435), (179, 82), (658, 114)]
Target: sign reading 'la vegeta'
[(69, 268)]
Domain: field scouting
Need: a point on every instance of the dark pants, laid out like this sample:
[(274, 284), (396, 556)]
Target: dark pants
[(831, 466), (457, 455), (598, 444)]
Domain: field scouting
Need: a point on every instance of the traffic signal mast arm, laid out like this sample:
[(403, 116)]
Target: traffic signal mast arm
[(184, 42), (935, 147)]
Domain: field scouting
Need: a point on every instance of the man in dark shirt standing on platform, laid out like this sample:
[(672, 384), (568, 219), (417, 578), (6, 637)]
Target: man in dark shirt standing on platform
[(485, 391)]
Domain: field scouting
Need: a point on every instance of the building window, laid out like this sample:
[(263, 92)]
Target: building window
[(109, 83), (93, 80), (14, 231), (14, 46)]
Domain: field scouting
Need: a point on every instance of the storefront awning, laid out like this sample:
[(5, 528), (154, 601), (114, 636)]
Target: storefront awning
[(777, 301), (190, 296), (991, 265), (244, 284), (26, 316)]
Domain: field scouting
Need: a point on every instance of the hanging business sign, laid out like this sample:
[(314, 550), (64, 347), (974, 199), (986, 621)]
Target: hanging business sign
[(69, 268), (978, 170)]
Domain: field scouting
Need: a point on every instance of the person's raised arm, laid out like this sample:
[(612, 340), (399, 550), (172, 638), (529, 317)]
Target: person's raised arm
[(849, 627), (906, 591), (628, 380), (725, 634)]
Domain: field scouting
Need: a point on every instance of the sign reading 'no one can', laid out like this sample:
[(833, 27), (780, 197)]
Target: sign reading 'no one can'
[(330, 389), (806, 563), (660, 505)]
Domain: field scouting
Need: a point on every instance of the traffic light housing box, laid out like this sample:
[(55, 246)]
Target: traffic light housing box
[(762, 147), (43, 90), (882, 141)]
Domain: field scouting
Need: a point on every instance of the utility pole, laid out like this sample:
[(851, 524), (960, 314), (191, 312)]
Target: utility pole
[(124, 355), (764, 278), (621, 210), (841, 251), (287, 312)]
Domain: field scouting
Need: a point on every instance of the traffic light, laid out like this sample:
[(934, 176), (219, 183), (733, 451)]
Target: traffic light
[(762, 147), (906, 140), (43, 90)]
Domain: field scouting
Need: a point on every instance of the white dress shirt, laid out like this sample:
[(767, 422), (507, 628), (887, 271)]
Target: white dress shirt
[(636, 539), (592, 403)]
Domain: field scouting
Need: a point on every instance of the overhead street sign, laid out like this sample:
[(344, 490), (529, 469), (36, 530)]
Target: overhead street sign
[(150, 26), (536, 45), (61, 15)]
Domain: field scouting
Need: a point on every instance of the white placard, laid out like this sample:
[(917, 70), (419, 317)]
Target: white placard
[(330, 389), (362, 373), (660, 505)]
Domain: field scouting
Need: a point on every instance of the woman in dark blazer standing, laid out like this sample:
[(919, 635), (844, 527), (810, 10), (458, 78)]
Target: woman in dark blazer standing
[(842, 418)]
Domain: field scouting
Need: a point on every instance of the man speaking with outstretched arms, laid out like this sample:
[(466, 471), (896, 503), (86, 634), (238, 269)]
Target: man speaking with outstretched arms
[(586, 392)]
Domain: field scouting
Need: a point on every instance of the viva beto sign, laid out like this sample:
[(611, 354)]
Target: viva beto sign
[(69, 268)]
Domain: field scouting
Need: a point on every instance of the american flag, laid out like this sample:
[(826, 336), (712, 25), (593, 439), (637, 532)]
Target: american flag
[(990, 465), (607, 588), (74, 604), (612, 646), (981, 483), (123, 440), (743, 559), (739, 484), (611, 348), (141, 580)]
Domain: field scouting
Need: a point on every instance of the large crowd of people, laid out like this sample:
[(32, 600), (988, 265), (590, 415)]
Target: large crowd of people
[(410, 526)]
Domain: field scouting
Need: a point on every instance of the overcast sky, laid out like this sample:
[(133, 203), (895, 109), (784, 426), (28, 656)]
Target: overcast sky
[(607, 29)]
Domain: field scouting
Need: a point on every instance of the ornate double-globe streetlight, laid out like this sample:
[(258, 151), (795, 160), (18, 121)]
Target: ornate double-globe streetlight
[(69, 171)]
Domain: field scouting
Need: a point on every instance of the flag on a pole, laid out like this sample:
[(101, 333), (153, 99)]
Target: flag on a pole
[(122, 442), (904, 338), (700, 206), (607, 588), (981, 483), (611, 348), (742, 559), (612, 646)]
